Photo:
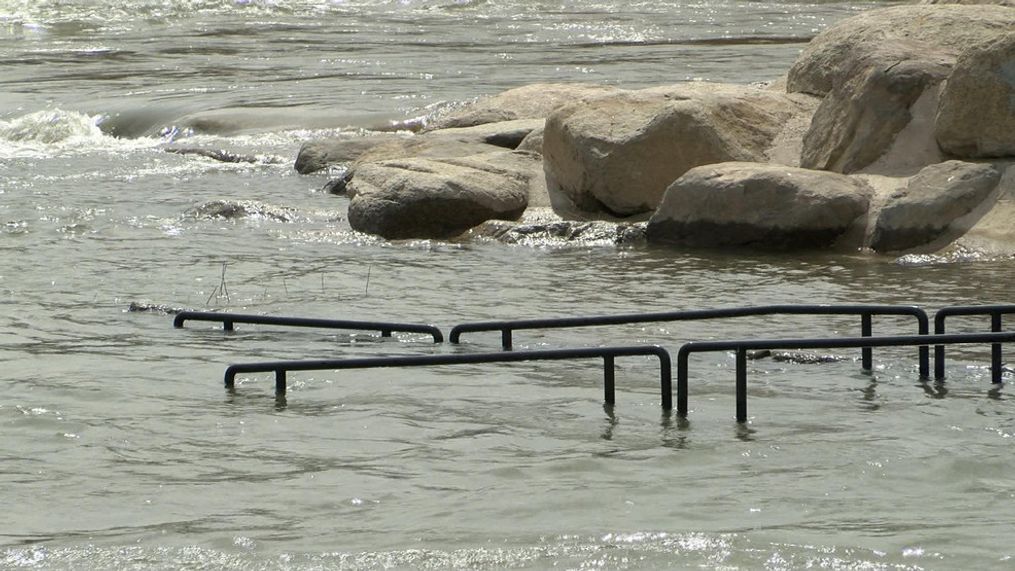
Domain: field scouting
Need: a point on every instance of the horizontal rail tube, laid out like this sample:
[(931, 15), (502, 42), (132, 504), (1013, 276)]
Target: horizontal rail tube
[(994, 311), (606, 353), (742, 346), (228, 319), (865, 311)]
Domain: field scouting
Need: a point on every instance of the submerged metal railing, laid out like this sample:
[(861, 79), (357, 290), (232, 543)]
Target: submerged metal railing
[(385, 328), (994, 311), (608, 354), (742, 346), (865, 312)]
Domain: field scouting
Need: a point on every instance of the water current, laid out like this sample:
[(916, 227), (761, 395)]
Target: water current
[(122, 450)]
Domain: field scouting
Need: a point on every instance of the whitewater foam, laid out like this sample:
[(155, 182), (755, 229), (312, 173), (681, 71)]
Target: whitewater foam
[(57, 132)]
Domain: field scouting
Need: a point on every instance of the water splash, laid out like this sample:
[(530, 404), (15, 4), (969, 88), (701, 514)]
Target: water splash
[(56, 132)]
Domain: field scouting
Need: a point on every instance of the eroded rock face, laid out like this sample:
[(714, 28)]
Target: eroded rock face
[(829, 60), (857, 121), (618, 154), (536, 101), (976, 113), (764, 207), (932, 205), (439, 198)]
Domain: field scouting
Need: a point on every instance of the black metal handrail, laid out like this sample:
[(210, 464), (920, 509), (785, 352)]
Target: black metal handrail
[(606, 353), (864, 311), (385, 328), (994, 311), (742, 346)]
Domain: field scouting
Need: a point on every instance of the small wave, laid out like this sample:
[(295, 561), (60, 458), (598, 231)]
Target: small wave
[(51, 126), (54, 131)]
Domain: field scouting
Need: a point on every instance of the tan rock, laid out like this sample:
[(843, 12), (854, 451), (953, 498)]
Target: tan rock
[(764, 207), (321, 154), (934, 207), (534, 101), (618, 154), (439, 198), (857, 121), (830, 58), (976, 114)]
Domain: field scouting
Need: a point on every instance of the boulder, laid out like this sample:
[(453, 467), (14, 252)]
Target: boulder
[(507, 134), (618, 154), (765, 207), (976, 113), (534, 101), (321, 154), (993, 234), (457, 142), (830, 59), (858, 120), (440, 198), (533, 142), (932, 206), (429, 146)]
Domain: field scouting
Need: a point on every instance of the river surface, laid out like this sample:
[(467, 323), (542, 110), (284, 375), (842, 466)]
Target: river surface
[(121, 449)]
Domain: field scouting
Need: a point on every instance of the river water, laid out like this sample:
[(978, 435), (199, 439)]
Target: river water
[(121, 449)]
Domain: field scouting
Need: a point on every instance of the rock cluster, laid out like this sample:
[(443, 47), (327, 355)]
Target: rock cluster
[(893, 131)]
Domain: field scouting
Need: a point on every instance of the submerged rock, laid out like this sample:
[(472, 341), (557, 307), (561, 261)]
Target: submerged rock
[(747, 205), (148, 307), (221, 155), (229, 209), (563, 233), (797, 357)]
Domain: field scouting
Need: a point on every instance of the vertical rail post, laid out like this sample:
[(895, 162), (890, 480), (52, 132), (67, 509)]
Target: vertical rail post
[(939, 350), (227, 325), (866, 353), (995, 349), (385, 333), (665, 380), (741, 384), (924, 351), (682, 382), (609, 375), (280, 382), (505, 339)]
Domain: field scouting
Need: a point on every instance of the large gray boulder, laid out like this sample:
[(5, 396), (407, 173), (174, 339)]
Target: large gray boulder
[(535, 101), (976, 114), (829, 60), (618, 154), (859, 119), (440, 198), (763, 207), (933, 207)]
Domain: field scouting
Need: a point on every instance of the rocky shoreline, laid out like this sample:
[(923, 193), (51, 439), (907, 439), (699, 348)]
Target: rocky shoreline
[(893, 133)]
